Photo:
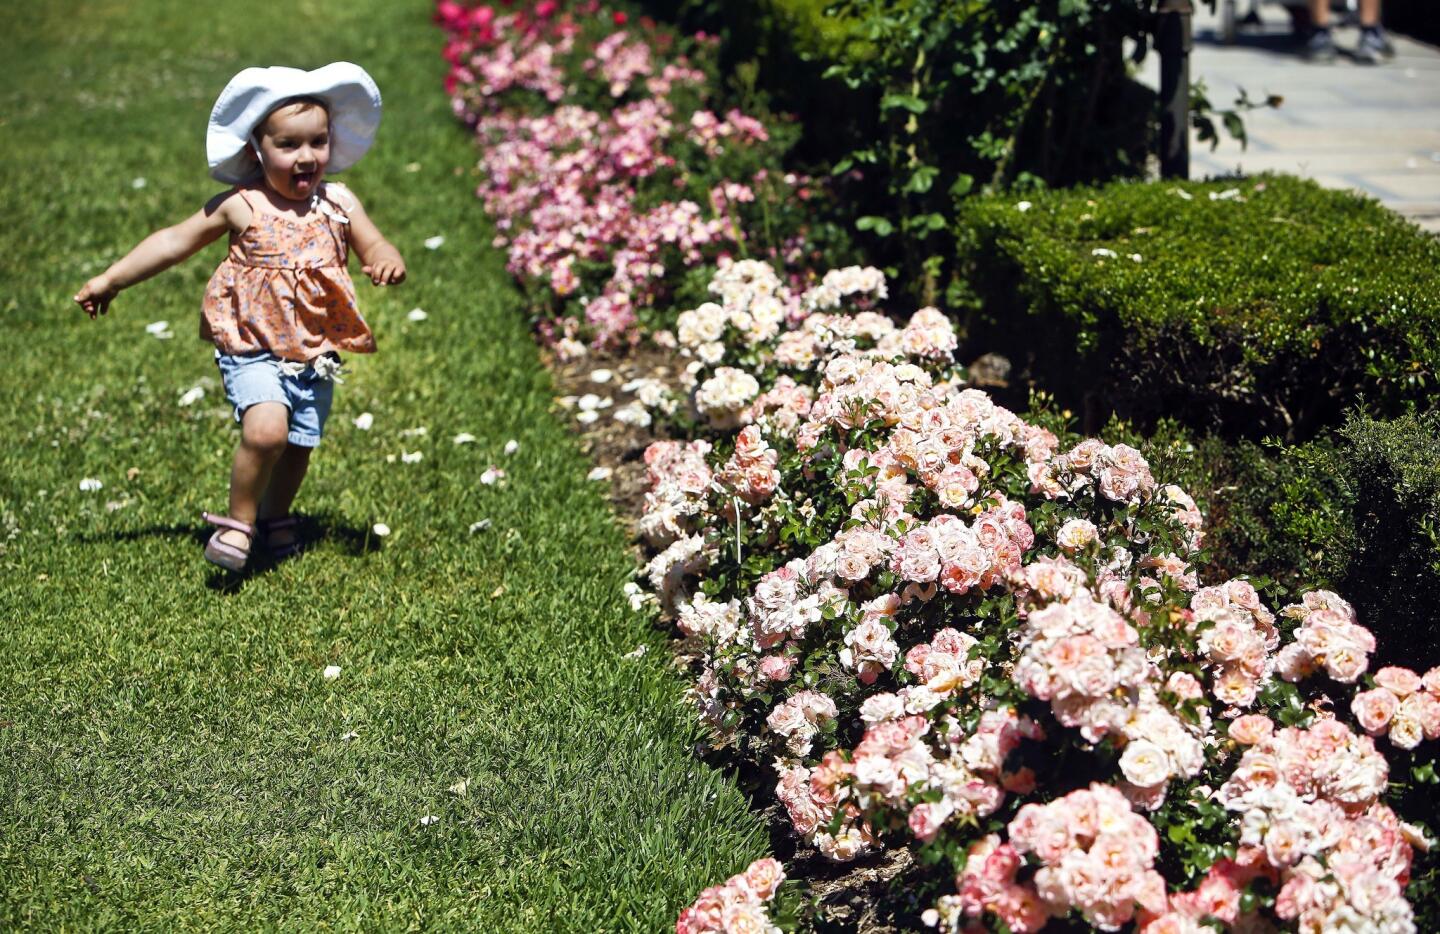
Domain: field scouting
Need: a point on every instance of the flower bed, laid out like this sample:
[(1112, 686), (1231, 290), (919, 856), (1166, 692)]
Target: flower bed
[(610, 181), (940, 629)]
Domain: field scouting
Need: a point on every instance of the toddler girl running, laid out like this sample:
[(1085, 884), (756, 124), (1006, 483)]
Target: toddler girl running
[(282, 305)]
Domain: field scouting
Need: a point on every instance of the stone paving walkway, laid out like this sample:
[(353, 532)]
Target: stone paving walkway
[(1371, 128)]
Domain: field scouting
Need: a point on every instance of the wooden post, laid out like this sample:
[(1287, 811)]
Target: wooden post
[(1173, 42)]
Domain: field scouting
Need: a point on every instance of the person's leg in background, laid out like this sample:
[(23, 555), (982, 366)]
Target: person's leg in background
[(1374, 44)]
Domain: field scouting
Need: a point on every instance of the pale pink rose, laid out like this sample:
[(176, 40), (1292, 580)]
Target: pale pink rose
[(1294, 663), (1374, 709), (1145, 764), (764, 877), (786, 719), (1428, 714), (1402, 682), (1346, 663), (1251, 729), (1283, 845), (776, 667), (1234, 687), (1020, 908), (926, 819), (879, 708), (745, 917), (1076, 534), (1181, 683), (1431, 680), (1405, 732), (850, 566)]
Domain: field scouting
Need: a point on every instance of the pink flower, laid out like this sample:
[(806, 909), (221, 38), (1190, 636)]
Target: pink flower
[(776, 667), (1374, 709), (926, 819), (1251, 729), (1401, 682), (764, 877)]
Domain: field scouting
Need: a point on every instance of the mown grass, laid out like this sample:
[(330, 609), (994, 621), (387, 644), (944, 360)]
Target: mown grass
[(170, 754)]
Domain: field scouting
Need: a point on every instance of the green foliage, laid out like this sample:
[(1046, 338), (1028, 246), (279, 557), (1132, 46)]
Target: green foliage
[(1356, 511), (1263, 306), (1389, 474), (924, 102)]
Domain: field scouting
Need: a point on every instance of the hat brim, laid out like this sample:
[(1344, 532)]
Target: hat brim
[(347, 90)]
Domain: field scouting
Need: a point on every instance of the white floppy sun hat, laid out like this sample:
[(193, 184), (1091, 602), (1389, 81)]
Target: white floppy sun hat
[(350, 93)]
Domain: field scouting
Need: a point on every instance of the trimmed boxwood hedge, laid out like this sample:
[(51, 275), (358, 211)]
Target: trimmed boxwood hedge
[(1356, 511), (1257, 306)]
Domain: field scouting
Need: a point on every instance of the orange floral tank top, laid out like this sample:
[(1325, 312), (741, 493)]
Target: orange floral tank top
[(285, 287)]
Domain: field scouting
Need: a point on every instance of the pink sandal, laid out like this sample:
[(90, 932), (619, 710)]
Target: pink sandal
[(269, 527), (225, 554)]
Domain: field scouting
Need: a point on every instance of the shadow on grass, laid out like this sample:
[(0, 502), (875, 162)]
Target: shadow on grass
[(314, 530)]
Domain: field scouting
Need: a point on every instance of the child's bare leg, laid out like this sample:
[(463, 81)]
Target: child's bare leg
[(263, 431), (285, 480)]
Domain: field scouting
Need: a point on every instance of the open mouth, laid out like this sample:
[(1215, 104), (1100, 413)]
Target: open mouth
[(303, 180)]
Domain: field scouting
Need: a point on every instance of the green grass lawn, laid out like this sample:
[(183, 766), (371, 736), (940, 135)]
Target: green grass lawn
[(170, 754)]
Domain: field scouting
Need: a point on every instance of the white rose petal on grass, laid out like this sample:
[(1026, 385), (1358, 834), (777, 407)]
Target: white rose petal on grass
[(1023, 206), (435, 243), (417, 314), (160, 330), (138, 183), (349, 736), (460, 787), (592, 403), (480, 526), (412, 167), (412, 457), (464, 437), (633, 413), (419, 432), (1137, 257), (492, 476), (380, 529), (364, 420), (90, 485), (1102, 251), (587, 417), (511, 446), (599, 473), (192, 395), (601, 376), (639, 652), (331, 672), (428, 819)]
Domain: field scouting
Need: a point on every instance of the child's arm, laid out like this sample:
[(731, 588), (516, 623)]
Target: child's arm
[(159, 251), (378, 257)]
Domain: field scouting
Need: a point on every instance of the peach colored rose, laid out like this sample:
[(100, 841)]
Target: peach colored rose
[(1402, 682), (1251, 729), (1374, 710), (764, 877)]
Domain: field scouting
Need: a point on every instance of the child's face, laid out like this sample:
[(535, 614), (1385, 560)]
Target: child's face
[(294, 150)]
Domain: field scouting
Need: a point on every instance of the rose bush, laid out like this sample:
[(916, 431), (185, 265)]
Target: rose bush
[(937, 624), (607, 175)]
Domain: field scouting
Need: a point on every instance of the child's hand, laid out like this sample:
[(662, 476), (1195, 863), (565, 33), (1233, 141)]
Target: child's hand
[(386, 271), (96, 296)]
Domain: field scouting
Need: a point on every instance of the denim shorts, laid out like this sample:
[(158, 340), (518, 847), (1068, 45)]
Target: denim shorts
[(254, 378)]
